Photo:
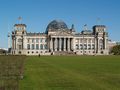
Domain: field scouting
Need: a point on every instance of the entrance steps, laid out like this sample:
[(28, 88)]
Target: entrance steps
[(64, 53)]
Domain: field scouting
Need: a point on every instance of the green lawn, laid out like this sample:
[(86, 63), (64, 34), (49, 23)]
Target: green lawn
[(11, 71), (71, 73)]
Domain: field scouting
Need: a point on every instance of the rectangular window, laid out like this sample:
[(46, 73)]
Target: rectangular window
[(45, 46), (37, 46), (85, 46), (93, 46), (28, 40), (37, 40), (41, 40), (45, 40), (41, 46), (89, 46), (33, 40), (28, 46), (81, 46), (33, 46)]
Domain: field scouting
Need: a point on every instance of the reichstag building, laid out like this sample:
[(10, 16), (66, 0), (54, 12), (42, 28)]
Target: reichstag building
[(58, 39)]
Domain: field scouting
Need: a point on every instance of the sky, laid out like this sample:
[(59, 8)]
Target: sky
[(37, 14)]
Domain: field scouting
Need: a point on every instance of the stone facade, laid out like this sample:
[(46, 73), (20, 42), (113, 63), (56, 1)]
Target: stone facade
[(59, 39)]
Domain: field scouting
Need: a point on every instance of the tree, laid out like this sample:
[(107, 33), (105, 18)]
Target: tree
[(116, 50), (2, 51)]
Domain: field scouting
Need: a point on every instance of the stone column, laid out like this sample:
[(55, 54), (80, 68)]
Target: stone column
[(68, 44), (79, 43), (98, 44), (105, 41), (64, 44), (72, 44), (74, 47), (51, 44), (91, 43), (95, 45), (16, 43), (59, 44), (55, 44), (12, 44), (87, 40), (24, 43), (98, 47)]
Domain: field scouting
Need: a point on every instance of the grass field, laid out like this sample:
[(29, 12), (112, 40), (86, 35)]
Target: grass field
[(11, 71), (71, 73)]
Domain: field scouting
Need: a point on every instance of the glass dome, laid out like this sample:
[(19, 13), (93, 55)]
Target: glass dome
[(56, 25)]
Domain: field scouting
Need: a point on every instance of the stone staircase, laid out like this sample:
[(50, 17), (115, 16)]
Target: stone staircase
[(64, 53)]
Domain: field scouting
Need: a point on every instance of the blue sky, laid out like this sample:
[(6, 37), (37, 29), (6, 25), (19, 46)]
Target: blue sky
[(37, 14)]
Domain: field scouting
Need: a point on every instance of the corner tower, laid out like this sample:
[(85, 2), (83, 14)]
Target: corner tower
[(101, 39), (18, 37)]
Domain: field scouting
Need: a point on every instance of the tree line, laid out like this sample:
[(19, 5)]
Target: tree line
[(116, 50)]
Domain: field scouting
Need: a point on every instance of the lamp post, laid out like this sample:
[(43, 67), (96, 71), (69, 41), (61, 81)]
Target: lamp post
[(83, 42), (9, 42)]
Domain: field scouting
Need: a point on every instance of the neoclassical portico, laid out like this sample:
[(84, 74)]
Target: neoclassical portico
[(61, 44)]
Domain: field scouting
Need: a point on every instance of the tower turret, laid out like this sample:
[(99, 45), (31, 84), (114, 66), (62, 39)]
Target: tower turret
[(20, 29), (73, 29), (18, 38), (99, 29)]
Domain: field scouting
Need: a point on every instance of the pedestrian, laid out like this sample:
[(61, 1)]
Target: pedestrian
[(39, 55)]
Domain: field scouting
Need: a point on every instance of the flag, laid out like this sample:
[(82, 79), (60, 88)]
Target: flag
[(19, 18), (85, 25)]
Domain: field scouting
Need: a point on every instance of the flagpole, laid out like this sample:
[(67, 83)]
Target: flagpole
[(20, 19)]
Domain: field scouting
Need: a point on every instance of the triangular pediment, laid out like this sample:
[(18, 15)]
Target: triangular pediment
[(63, 33)]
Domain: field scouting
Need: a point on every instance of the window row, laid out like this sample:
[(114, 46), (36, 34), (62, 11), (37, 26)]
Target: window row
[(37, 46), (85, 46), (85, 40), (20, 28), (37, 40)]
